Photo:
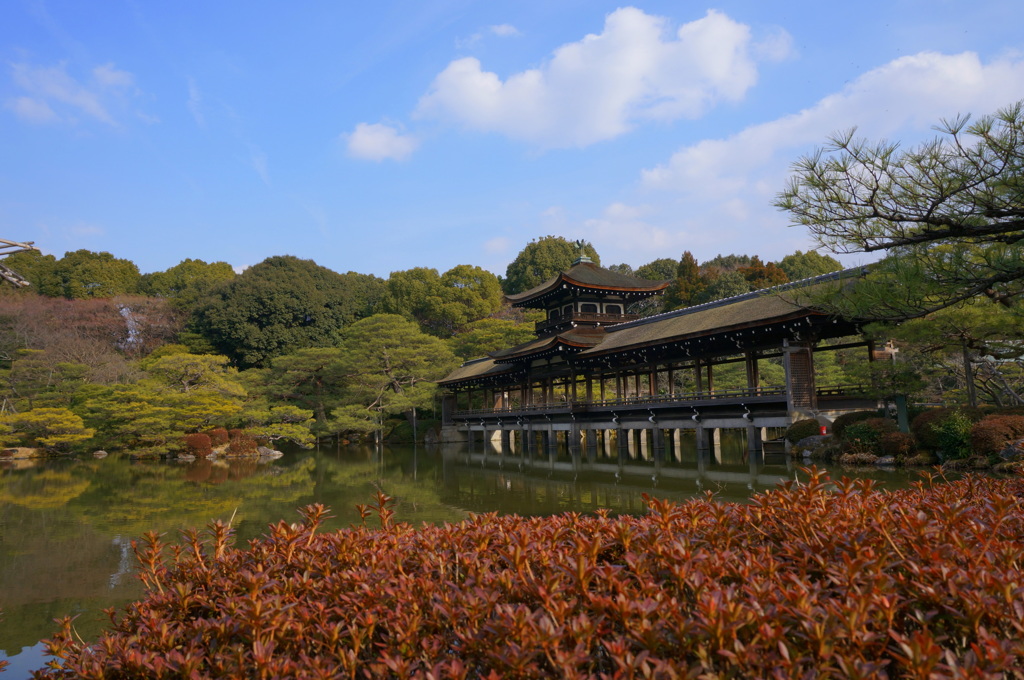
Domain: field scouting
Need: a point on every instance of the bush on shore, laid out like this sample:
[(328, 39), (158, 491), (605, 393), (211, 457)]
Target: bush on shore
[(817, 579), (802, 429)]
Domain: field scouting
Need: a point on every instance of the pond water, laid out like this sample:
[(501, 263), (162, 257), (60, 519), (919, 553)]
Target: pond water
[(66, 525)]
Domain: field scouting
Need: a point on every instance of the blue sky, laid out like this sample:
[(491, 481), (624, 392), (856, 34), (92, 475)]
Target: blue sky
[(376, 137)]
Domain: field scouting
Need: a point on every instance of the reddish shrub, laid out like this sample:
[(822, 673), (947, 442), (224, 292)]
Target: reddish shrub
[(899, 445), (242, 445), (199, 470), (821, 579), (235, 432), (218, 436), (197, 444), (990, 435)]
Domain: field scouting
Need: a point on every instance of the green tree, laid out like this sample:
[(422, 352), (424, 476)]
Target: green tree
[(469, 294), (661, 269), (390, 367), (37, 269), (479, 338), (290, 423), (307, 378), (148, 419), (280, 305), (801, 265), (36, 379), (52, 428), (192, 373), (974, 350), (442, 304), (187, 282), (727, 284), (542, 259), (948, 214), (84, 274), (726, 263)]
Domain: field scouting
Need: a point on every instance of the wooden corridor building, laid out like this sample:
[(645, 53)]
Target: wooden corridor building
[(597, 376)]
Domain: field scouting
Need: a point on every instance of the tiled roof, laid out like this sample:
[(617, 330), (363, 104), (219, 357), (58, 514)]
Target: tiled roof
[(577, 337), (478, 368), (590, 275), (742, 311)]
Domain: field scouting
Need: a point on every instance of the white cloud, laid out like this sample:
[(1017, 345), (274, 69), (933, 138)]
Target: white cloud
[(56, 95), (500, 30), (108, 76), (505, 31), (378, 142), (715, 195), (32, 110), (905, 97), (600, 87), (776, 46)]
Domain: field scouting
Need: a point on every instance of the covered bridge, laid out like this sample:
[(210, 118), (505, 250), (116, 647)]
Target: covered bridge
[(598, 376)]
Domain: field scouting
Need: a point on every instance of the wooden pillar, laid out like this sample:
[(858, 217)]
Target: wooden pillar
[(753, 376), (798, 361), (698, 374)]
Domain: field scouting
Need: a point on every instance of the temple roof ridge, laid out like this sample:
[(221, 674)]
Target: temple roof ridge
[(584, 274), (799, 283)]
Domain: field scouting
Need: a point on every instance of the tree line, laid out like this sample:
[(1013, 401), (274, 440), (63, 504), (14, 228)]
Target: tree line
[(291, 349)]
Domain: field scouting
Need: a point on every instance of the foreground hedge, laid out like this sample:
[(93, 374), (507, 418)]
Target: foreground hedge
[(809, 580)]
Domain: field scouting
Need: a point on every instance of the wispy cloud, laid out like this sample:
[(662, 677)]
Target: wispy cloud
[(379, 142), (52, 94), (505, 31), (195, 103), (259, 162), (32, 110), (499, 30), (601, 86)]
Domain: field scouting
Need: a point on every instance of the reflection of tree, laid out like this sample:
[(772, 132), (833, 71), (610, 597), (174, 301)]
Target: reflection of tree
[(42, 489), (131, 499), (63, 526), (410, 478)]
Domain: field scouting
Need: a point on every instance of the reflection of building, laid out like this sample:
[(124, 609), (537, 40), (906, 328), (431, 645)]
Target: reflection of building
[(600, 378)]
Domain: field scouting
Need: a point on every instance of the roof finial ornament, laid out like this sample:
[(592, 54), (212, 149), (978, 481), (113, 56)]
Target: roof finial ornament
[(581, 253)]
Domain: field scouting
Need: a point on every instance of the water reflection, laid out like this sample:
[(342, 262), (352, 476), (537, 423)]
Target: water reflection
[(66, 526)]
